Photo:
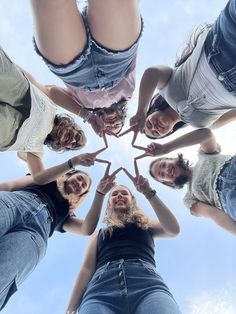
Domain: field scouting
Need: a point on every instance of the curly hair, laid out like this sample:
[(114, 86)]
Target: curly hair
[(74, 200), (180, 181), (134, 215), (61, 122), (191, 44), (158, 103)]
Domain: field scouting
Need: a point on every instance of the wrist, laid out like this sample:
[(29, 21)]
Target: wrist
[(87, 117), (100, 193), (70, 164), (150, 194), (71, 312)]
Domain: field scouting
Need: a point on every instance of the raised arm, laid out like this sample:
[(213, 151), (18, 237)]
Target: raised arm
[(226, 118), (16, 184), (84, 276), (166, 225), (204, 137), (153, 77), (201, 209), (88, 225)]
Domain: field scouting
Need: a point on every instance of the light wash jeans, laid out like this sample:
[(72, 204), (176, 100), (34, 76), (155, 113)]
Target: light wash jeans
[(220, 47), (128, 287), (24, 231), (226, 188)]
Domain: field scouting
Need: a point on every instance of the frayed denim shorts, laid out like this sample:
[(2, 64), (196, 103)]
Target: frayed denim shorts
[(96, 67)]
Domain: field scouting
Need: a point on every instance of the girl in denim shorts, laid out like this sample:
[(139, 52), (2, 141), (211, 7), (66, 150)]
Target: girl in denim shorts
[(119, 274), (200, 91), (93, 52)]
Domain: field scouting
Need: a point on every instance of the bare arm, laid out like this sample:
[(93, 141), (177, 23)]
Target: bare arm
[(226, 118), (204, 137), (16, 184), (87, 270), (215, 214), (153, 77), (41, 175)]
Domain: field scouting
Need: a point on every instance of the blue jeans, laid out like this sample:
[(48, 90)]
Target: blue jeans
[(24, 230), (96, 67), (220, 47), (128, 287), (226, 188)]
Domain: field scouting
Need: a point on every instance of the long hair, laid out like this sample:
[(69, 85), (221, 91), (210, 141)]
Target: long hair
[(158, 103), (191, 44), (73, 199), (61, 122), (134, 215)]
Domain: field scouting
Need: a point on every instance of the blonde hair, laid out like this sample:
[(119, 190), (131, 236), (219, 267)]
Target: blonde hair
[(134, 215), (73, 199)]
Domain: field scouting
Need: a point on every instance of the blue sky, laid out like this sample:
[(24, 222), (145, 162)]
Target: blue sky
[(198, 265)]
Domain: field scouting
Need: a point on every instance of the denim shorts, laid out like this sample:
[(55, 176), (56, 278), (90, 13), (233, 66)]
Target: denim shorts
[(96, 67), (226, 188), (24, 230), (220, 47), (127, 287)]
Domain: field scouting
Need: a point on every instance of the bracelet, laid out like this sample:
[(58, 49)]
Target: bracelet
[(70, 165), (87, 116), (150, 194), (100, 193)]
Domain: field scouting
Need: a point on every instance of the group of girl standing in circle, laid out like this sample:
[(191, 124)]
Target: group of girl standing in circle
[(94, 53)]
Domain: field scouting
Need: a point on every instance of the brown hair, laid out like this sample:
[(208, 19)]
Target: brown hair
[(74, 200), (191, 43), (62, 122), (135, 215), (182, 179)]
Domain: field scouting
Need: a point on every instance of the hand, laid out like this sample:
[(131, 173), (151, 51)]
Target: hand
[(156, 149), (138, 120), (86, 160), (97, 124), (107, 182)]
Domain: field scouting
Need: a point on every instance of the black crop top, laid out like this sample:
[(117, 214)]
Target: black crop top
[(58, 206), (127, 242)]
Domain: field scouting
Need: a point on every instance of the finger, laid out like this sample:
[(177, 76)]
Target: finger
[(136, 168), (139, 147), (99, 151), (103, 161), (141, 156), (134, 137), (106, 174), (114, 134), (127, 131), (116, 171), (105, 140), (129, 175)]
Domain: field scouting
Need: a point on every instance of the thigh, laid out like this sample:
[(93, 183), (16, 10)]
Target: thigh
[(14, 84), (59, 29), (20, 252), (115, 24), (157, 303), (94, 307)]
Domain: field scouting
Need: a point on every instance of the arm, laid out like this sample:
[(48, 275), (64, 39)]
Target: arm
[(204, 137), (226, 118), (87, 270), (218, 216), (153, 77), (44, 176), (88, 225), (17, 184)]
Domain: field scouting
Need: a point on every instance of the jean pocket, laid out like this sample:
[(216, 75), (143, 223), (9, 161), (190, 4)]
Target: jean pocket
[(150, 268), (99, 273)]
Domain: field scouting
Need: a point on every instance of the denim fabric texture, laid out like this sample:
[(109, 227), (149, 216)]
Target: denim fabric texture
[(220, 47), (97, 67), (127, 287), (24, 230), (226, 188)]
